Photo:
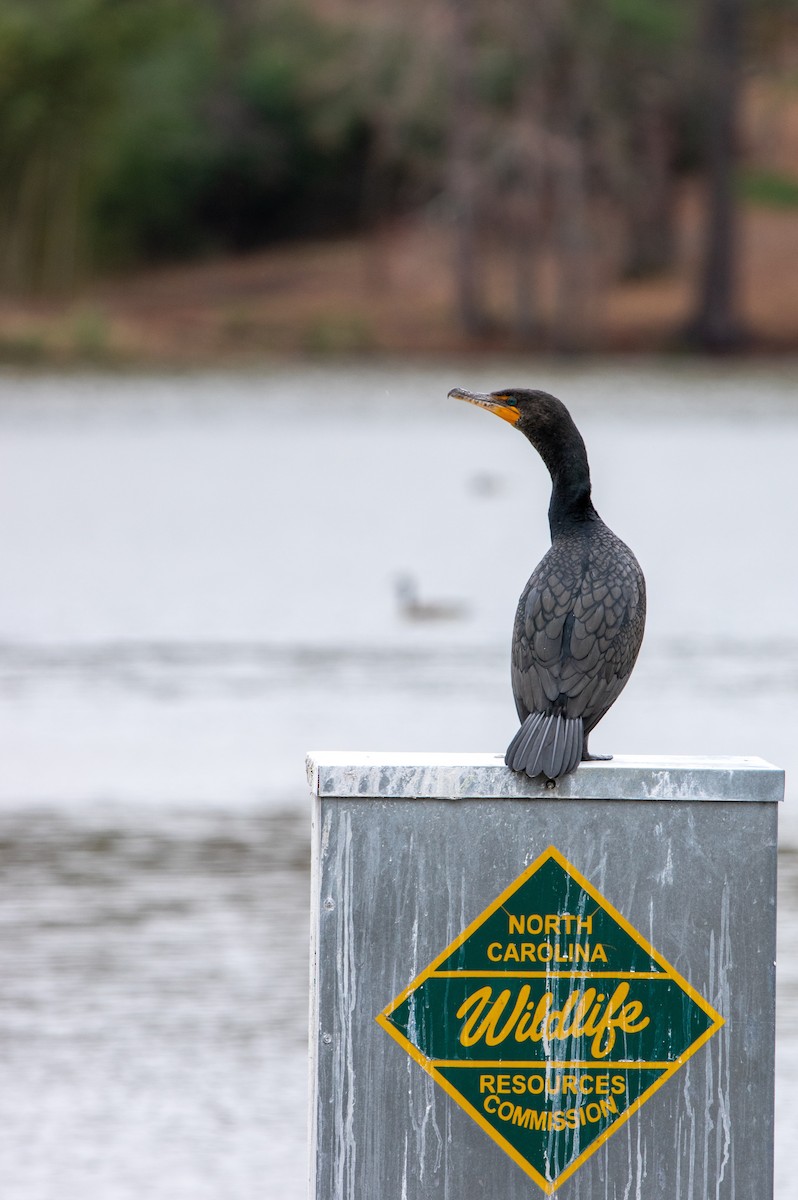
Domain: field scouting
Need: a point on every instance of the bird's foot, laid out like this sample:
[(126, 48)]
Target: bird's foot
[(588, 757)]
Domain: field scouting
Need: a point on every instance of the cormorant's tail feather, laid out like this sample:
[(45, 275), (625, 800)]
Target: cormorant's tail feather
[(546, 744)]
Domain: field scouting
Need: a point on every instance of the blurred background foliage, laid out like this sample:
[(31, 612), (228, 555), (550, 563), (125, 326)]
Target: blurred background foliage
[(140, 131), (132, 130)]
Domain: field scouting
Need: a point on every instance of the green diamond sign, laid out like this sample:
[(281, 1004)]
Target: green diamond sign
[(550, 1020)]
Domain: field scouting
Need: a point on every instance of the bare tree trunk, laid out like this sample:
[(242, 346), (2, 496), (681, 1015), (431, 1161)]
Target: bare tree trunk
[(527, 209), (519, 219), (40, 221), (572, 318), (716, 324), (463, 171), (652, 237)]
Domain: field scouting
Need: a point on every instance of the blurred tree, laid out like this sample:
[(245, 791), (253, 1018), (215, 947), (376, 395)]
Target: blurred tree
[(552, 133), (582, 105), (397, 80), (269, 120), (241, 133), (156, 153), (649, 72), (716, 323), (61, 66), (463, 171), (142, 129)]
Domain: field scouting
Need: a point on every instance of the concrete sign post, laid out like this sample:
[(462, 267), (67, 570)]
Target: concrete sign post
[(521, 988)]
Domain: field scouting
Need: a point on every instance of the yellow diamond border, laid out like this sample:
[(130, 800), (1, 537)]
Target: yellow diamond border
[(668, 1069)]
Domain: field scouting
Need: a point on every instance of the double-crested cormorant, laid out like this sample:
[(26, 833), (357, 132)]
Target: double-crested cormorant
[(580, 619)]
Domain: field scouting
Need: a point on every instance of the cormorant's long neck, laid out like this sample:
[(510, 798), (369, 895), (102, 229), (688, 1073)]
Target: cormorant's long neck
[(563, 452)]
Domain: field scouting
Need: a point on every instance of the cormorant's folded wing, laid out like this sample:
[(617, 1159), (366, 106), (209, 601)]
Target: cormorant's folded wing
[(575, 640)]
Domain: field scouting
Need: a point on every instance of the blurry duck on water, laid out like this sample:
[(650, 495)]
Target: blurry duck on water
[(580, 619), (413, 608)]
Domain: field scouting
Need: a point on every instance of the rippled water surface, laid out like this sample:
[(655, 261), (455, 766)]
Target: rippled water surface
[(153, 1004), (202, 582)]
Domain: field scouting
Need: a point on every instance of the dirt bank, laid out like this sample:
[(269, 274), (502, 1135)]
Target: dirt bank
[(391, 292)]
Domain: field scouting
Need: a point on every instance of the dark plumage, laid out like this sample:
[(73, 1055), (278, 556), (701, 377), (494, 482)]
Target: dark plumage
[(580, 619)]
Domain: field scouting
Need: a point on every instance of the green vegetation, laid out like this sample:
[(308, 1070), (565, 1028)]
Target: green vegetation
[(221, 148), (341, 333), (62, 79), (769, 188), (138, 130), (22, 349)]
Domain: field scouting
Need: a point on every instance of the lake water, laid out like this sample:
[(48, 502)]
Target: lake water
[(201, 584)]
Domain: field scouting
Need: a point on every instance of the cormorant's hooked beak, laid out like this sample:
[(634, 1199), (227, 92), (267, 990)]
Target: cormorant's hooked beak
[(495, 402)]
